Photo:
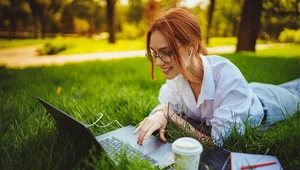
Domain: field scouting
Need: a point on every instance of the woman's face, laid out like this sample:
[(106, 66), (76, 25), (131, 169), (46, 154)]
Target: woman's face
[(158, 44)]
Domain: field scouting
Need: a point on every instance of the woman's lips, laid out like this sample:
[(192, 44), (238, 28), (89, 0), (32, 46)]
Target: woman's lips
[(166, 70)]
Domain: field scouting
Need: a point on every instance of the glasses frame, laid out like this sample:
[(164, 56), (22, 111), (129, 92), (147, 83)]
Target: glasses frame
[(158, 55)]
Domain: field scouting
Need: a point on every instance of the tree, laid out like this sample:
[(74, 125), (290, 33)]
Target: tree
[(43, 13), (135, 11), (110, 9), (209, 19), (14, 16), (277, 15), (250, 25), (169, 3)]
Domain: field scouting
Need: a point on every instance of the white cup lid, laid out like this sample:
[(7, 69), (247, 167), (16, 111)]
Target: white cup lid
[(187, 146)]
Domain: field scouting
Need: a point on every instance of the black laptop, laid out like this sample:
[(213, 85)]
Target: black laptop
[(156, 152)]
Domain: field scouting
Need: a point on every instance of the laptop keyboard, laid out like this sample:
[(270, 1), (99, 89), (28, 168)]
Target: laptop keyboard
[(113, 145)]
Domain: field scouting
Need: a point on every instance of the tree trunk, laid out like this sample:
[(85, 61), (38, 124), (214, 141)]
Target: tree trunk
[(43, 28), (36, 27), (1, 17), (209, 19), (46, 20), (13, 25), (250, 25), (92, 28), (110, 8)]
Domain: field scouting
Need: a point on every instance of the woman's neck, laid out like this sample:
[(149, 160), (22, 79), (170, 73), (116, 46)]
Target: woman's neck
[(196, 70)]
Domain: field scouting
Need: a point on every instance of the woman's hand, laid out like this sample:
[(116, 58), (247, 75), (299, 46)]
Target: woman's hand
[(156, 121)]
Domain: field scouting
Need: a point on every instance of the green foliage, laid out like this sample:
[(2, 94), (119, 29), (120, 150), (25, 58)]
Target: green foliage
[(289, 36), (226, 18), (35, 17), (121, 90), (51, 48), (278, 15), (81, 26), (135, 11), (132, 31)]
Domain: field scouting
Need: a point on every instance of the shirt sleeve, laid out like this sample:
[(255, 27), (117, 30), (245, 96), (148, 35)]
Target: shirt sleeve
[(233, 102)]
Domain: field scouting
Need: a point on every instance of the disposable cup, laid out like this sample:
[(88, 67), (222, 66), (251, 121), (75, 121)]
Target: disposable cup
[(187, 152)]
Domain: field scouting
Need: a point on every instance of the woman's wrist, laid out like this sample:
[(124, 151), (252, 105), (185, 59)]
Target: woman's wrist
[(158, 110)]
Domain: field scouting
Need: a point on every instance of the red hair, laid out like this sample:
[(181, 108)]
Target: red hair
[(179, 24)]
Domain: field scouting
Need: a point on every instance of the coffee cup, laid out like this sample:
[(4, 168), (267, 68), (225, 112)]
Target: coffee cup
[(187, 152)]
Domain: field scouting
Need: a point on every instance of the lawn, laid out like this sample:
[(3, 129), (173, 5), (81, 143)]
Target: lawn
[(6, 43), (79, 45), (226, 41), (121, 90)]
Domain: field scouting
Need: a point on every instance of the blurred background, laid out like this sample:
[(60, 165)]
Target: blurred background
[(49, 33), (111, 20)]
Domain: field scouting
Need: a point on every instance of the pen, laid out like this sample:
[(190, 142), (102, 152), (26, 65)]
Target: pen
[(257, 165)]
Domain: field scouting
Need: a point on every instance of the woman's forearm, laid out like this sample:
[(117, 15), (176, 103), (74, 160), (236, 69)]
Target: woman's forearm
[(171, 115)]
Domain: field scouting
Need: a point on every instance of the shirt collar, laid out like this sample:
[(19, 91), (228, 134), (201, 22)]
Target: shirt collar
[(208, 84), (177, 82)]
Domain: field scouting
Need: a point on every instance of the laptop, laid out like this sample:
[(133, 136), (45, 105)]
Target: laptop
[(153, 149)]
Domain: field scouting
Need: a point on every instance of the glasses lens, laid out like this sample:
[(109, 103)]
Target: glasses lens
[(149, 55), (165, 56)]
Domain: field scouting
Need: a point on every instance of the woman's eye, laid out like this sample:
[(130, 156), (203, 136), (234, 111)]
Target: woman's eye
[(167, 53)]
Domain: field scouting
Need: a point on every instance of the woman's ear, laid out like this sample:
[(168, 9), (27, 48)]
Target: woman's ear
[(196, 47), (192, 50)]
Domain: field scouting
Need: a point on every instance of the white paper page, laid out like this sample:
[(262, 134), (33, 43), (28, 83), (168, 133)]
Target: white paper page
[(242, 159)]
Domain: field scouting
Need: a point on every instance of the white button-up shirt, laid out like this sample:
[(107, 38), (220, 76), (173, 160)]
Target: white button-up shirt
[(225, 100)]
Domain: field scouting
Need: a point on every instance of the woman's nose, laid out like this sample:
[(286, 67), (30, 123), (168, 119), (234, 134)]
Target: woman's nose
[(159, 62)]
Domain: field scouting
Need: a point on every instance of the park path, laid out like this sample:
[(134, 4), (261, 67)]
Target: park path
[(23, 57)]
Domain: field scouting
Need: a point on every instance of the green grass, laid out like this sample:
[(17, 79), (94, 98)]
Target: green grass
[(288, 51), (79, 45), (5, 43), (86, 45), (121, 90), (226, 41)]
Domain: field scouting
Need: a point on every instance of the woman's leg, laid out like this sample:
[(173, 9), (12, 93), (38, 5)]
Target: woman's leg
[(293, 86), (280, 101)]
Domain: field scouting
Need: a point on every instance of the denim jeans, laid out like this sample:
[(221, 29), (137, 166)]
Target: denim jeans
[(280, 100)]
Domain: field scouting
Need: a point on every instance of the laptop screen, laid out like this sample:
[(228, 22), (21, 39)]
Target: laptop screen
[(70, 126)]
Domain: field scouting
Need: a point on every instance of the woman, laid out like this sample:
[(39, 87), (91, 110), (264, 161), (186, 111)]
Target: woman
[(207, 89)]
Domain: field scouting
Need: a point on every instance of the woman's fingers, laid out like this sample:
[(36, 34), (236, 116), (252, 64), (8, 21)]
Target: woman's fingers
[(148, 128), (149, 125), (162, 132), (141, 125), (153, 128), (142, 129)]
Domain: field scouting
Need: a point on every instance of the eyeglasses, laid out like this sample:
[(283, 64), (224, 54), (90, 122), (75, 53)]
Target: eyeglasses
[(164, 55)]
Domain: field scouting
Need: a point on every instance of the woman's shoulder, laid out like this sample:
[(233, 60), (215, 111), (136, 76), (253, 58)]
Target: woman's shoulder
[(223, 69), (216, 59), (220, 64)]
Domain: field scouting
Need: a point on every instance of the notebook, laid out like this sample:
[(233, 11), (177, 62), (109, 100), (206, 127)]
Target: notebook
[(156, 152), (240, 161)]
